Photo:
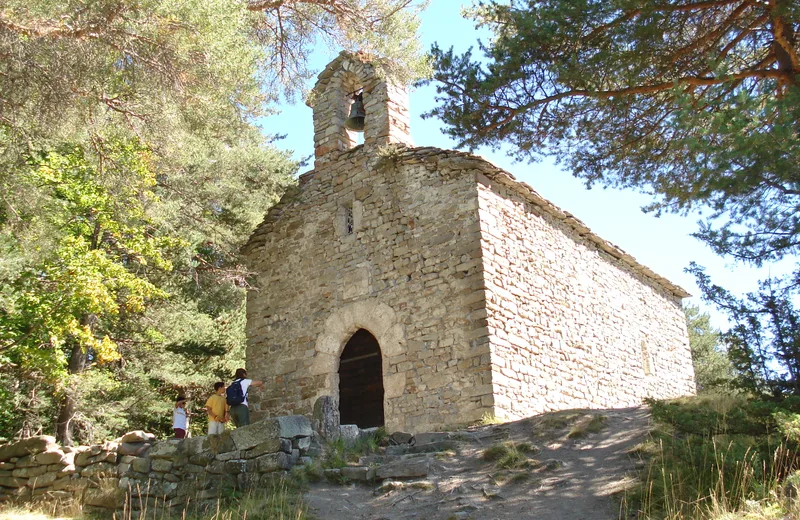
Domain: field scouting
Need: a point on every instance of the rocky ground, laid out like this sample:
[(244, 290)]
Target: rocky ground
[(580, 463)]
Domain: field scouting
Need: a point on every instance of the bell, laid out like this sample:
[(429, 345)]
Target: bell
[(356, 120)]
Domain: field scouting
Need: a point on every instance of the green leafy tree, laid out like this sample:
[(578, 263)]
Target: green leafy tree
[(694, 102), (712, 368), (131, 171)]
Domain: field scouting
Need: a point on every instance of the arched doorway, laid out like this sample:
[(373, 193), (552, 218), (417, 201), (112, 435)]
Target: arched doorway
[(361, 381)]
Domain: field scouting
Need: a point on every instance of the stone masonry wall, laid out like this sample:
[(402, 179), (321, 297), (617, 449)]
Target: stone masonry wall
[(409, 273), (138, 472), (571, 325)]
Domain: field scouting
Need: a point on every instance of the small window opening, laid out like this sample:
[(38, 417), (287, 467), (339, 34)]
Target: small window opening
[(349, 222), (648, 369)]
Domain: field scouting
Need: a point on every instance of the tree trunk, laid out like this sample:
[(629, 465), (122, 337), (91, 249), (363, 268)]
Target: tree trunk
[(78, 359)]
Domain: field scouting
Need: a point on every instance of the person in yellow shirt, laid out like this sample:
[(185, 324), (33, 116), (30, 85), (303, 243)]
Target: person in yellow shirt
[(217, 410)]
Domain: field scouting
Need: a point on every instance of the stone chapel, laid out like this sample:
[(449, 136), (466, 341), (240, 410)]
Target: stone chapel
[(426, 288)]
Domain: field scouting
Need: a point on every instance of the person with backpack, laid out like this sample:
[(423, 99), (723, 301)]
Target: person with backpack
[(236, 397)]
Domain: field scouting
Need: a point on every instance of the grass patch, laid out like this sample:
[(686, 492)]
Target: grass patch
[(9, 512), (593, 423), (446, 454), (554, 422), (488, 419), (338, 454), (509, 455), (717, 458)]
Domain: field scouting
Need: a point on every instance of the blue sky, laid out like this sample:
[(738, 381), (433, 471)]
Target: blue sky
[(664, 244)]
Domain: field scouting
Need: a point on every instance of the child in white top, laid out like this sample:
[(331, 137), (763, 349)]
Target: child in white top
[(180, 418)]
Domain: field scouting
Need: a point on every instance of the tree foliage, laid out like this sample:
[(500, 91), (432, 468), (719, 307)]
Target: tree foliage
[(694, 102), (132, 168), (764, 342), (712, 368)]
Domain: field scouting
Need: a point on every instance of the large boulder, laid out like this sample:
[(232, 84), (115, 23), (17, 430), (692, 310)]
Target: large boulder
[(27, 446)]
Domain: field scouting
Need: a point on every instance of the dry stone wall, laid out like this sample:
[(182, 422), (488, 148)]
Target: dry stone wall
[(570, 325), (138, 472), (410, 273)]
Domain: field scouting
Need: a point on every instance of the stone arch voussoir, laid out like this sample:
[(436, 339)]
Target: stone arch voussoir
[(377, 318)]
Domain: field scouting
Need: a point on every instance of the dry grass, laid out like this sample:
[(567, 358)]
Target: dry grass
[(591, 423), (509, 455), (280, 500)]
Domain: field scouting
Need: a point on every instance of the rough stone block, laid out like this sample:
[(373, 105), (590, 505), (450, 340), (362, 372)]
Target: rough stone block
[(161, 465), (141, 464), (100, 469), (110, 498), (133, 448), (29, 472), (13, 482), (52, 456), (195, 445), (228, 466), (325, 417), (356, 473), (138, 436), (425, 438), (257, 433), (273, 462), (202, 459), (401, 438), (350, 433), (293, 426), (27, 446), (270, 446), (25, 462), (221, 443), (43, 480), (408, 468), (165, 449)]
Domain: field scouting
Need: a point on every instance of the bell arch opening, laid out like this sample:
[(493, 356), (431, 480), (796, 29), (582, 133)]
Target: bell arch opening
[(361, 381)]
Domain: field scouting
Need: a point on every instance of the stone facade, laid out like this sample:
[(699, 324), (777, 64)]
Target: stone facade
[(483, 297)]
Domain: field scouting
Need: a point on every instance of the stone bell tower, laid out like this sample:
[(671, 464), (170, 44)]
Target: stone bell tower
[(385, 104)]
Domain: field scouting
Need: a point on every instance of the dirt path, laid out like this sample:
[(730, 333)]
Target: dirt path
[(568, 479)]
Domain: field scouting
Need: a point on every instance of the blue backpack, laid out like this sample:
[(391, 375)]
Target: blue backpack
[(234, 394)]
